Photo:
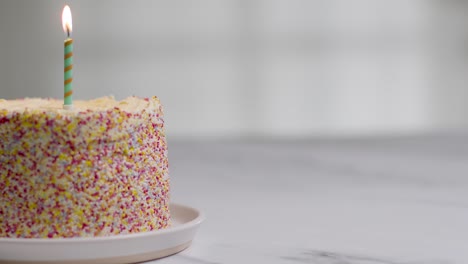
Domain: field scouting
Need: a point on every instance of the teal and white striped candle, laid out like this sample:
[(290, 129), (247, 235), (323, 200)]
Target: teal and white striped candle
[(68, 59)]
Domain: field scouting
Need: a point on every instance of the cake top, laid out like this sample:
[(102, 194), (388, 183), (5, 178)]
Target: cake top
[(130, 105)]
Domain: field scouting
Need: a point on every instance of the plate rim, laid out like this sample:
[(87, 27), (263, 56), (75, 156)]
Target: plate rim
[(194, 222)]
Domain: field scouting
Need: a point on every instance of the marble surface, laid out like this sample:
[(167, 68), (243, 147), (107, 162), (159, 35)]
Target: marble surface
[(401, 200)]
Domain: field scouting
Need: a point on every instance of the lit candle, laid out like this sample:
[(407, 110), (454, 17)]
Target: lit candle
[(68, 72)]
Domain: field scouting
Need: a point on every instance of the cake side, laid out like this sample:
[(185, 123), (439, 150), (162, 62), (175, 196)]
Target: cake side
[(99, 169)]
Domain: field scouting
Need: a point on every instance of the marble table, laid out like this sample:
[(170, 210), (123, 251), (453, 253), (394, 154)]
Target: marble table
[(400, 200)]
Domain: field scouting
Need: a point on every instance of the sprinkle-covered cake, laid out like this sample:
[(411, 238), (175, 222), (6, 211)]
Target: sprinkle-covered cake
[(98, 169)]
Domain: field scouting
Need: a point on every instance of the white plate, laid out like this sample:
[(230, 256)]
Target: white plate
[(112, 249)]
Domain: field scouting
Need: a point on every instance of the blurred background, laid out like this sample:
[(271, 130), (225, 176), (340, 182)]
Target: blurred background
[(257, 68)]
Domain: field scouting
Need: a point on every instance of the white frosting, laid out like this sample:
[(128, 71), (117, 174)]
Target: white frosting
[(130, 104)]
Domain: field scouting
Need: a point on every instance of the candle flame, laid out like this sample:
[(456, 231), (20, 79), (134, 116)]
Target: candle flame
[(67, 20)]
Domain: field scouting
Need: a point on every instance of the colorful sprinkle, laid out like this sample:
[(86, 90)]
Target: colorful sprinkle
[(92, 171)]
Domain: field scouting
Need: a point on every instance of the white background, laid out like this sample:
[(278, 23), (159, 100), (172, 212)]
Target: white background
[(230, 68)]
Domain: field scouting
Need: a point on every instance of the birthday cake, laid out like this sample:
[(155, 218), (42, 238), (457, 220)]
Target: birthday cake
[(97, 169)]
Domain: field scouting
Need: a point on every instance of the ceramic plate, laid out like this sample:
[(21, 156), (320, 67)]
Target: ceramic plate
[(112, 249)]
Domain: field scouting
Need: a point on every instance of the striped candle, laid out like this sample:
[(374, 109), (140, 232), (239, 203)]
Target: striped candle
[(68, 59), (68, 72)]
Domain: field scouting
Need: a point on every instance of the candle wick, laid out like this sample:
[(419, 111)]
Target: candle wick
[(68, 32)]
